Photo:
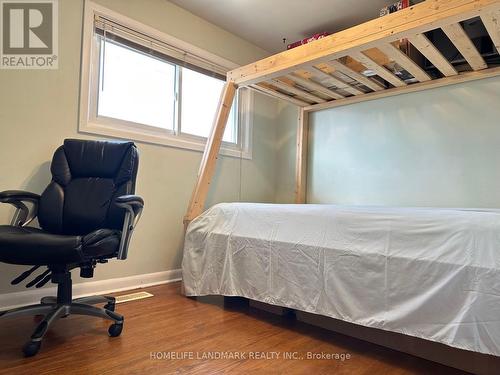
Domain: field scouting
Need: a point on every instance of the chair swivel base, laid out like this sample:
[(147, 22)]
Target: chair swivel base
[(53, 308)]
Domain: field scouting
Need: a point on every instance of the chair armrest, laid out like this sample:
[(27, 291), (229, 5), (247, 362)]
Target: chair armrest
[(19, 195), (23, 215), (133, 204), (130, 199)]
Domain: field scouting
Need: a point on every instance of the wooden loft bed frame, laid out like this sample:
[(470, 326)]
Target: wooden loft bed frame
[(308, 76)]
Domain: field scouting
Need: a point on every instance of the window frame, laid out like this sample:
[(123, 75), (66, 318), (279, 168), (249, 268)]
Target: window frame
[(91, 123)]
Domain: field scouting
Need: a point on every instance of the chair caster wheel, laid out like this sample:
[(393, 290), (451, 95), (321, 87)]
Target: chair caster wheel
[(109, 306), (115, 329), (31, 348)]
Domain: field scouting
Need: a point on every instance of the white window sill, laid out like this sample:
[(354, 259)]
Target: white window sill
[(159, 137)]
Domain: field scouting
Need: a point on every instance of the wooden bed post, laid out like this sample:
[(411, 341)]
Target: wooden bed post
[(301, 157), (209, 160)]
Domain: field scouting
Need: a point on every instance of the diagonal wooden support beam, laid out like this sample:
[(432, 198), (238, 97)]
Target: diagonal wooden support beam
[(336, 81), (491, 22), (404, 61), (267, 90), (310, 84), (379, 70), (371, 84), (294, 90), (209, 160), (426, 48), (455, 32)]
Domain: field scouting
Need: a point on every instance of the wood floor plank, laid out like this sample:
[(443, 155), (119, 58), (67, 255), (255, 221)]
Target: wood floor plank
[(170, 322)]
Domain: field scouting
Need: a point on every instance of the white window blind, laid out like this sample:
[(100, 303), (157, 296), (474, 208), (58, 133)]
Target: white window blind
[(147, 44)]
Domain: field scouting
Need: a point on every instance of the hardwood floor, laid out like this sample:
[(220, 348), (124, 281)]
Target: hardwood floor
[(170, 323)]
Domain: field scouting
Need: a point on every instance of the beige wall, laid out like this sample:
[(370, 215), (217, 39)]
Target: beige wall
[(38, 109)]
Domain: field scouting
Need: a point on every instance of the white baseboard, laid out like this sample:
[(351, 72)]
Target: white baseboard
[(32, 296)]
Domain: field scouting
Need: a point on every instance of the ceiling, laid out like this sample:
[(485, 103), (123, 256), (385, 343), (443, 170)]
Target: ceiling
[(266, 22)]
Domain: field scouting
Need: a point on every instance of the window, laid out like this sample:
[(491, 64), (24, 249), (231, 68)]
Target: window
[(201, 92), (135, 87), (140, 84)]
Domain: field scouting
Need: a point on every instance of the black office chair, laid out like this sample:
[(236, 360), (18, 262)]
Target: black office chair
[(87, 215)]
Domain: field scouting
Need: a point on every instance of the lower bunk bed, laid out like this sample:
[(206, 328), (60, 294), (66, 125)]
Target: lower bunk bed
[(428, 273)]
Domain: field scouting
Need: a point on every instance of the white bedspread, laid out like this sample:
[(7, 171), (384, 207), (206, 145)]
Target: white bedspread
[(430, 273)]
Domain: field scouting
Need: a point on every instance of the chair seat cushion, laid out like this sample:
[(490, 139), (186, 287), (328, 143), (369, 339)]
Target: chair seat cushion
[(33, 246)]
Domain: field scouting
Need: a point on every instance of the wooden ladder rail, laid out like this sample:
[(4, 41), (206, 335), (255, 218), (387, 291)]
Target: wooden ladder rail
[(212, 148), (211, 153)]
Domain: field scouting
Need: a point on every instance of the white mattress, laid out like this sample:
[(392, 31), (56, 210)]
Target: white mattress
[(430, 273)]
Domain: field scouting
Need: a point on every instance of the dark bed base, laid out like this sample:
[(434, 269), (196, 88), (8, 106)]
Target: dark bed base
[(475, 363), (464, 360)]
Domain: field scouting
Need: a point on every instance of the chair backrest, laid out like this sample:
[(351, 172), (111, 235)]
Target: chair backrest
[(87, 177)]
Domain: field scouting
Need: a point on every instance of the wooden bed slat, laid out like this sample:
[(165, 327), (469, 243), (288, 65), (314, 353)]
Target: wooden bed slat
[(294, 90), (459, 38), (416, 87), (404, 61), (336, 81), (491, 22), (426, 48), (379, 70), (276, 94), (417, 19), (315, 86), (371, 84)]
